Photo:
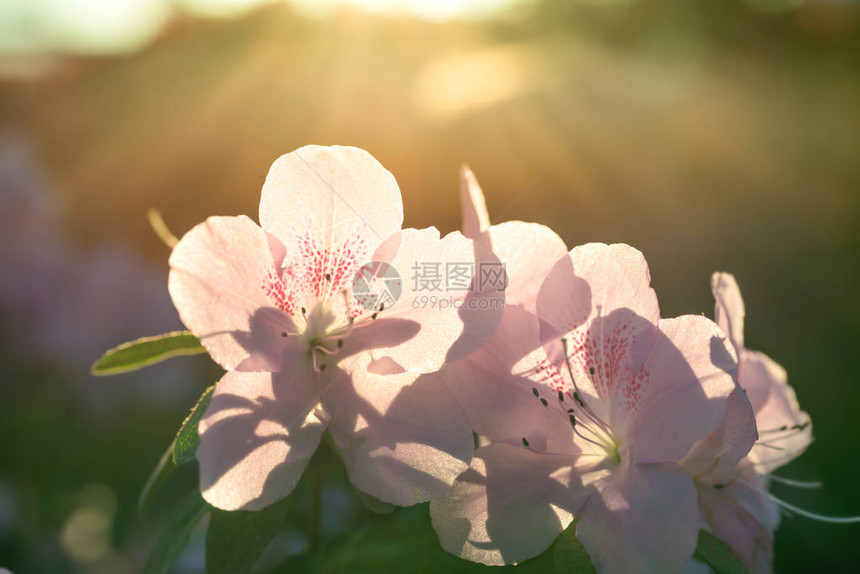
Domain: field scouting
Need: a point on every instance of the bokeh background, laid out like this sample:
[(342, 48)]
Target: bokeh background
[(710, 135)]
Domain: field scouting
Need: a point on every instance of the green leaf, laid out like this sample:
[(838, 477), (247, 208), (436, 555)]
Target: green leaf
[(570, 555), (176, 534), (401, 542), (147, 351), (236, 539), (718, 555), (180, 451), (567, 554), (185, 444), (160, 473)]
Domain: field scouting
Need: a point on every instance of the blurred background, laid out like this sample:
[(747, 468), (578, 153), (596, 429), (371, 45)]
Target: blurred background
[(713, 135)]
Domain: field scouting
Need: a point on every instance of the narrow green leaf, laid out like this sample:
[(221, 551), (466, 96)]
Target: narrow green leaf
[(187, 438), (160, 473), (147, 351), (718, 555), (176, 534), (236, 539)]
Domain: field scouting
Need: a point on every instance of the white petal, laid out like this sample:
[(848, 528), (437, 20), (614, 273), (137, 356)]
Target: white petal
[(529, 251), (729, 311), (509, 506), (476, 220), (644, 519), (453, 312), (332, 193), (685, 384), (776, 406), (218, 275), (257, 437), (402, 436)]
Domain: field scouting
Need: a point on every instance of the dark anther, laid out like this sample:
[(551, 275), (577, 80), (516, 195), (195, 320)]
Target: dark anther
[(382, 306), (328, 276), (525, 442), (374, 315), (304, 311), (719, 486), (783, 427), (339, 343), (535, 391), (283, 334), (572, 420), (591, 370), (322, 368), (544, 402), (560, 397), (570, 410), (578, 399)]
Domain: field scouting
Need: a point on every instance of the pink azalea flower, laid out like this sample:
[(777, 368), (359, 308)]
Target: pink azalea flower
[(784, 430), (764, 429), (315, 338), (590, 402)]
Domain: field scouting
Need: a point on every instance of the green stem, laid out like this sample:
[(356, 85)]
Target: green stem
[(316, 505)]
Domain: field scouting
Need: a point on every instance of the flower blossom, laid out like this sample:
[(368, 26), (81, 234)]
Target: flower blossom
[(589, 400), (764, 429), (317, 329)]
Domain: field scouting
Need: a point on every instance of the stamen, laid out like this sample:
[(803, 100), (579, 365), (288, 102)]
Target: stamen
[(798, 483), (783, 428), (304, 311), (544, 402), (572, 420), (525, 442), (283, 334), (374, 315), (766, 445), (340, 343), (535, 392), (560, 397), (328, 277), (800, 511)]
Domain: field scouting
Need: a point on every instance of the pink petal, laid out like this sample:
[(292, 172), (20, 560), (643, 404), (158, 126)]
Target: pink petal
[(257, 437), (729, 311), (509, 506), (743, 519), (529, 251), (600, 300), (332, 194), (454, 316), (644, 518), (610, 277), (683, 389), (717, 455), (476, 220), (402, 436), (218, 272), (495, 386), (776, 406)]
